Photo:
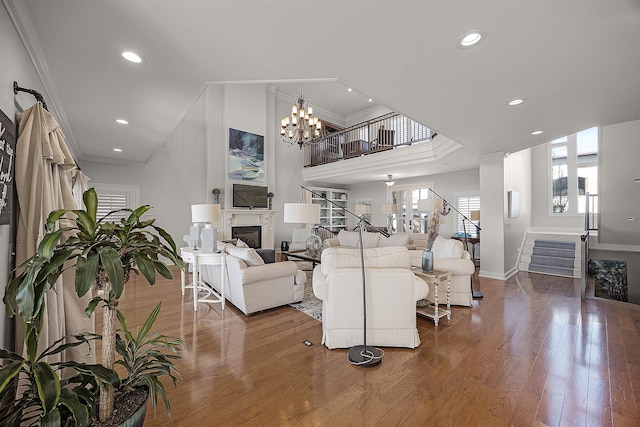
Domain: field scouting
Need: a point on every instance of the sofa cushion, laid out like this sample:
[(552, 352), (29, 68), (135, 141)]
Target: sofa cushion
[(390, 257), (395, 240), (447, 248), (248, 255), (369, 240), (351, 239), (241, 244), (348, 238)]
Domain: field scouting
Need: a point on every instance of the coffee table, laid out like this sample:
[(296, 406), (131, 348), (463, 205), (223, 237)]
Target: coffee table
[(301, 254)]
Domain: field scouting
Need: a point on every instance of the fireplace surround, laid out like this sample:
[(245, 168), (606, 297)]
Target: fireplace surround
[(262, 218)]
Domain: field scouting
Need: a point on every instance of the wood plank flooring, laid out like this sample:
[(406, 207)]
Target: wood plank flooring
[(528, 354)]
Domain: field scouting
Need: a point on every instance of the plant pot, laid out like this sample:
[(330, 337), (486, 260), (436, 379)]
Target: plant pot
[(137, 418), (136, 413)]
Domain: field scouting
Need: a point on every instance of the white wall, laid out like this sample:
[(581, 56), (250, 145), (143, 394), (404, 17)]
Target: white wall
[(16, 66), (492, 211), (173, 179), (517, 177)]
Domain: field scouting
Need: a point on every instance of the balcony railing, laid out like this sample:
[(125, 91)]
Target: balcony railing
[(380, 134)]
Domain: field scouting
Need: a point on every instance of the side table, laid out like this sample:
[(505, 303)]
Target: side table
[(199, 258), (435, 279)]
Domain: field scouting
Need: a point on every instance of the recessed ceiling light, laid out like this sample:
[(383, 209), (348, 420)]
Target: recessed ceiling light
[(117, 149), (122, 121), (370, 100), (516, 102), (472, 38), (631, 218), (637, 180), (536, 132), (349, 90), (132, 57)]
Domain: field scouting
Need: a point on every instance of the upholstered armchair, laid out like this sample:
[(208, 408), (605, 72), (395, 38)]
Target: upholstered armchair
[(254, 285), (449, 255), (392, 292)]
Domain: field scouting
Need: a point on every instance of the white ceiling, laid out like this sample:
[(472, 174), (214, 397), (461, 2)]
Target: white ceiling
[(576, 62)]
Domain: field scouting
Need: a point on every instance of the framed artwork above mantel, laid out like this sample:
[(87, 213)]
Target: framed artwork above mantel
[(246, 156)]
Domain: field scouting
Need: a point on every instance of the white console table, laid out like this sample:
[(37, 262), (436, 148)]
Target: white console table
[(198, 258)]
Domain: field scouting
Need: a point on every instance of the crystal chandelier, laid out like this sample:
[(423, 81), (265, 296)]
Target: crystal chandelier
[(301, 127)]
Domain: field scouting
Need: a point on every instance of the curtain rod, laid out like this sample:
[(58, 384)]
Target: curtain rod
[(33, 92)]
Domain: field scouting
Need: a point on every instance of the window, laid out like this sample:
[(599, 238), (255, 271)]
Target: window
[(113, 197), (409, 219), (574, 171), (467, 202)]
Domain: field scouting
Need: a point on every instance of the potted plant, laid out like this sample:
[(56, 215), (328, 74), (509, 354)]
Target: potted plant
[(216, 195), (104, 254)]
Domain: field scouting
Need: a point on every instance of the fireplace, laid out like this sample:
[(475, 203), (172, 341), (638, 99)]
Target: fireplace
[(251, 235)]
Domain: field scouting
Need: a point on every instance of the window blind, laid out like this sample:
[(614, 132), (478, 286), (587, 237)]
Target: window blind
[(115, 197), (466, 204)]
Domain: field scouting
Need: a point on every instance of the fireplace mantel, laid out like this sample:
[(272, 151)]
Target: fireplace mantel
[(243, 217)]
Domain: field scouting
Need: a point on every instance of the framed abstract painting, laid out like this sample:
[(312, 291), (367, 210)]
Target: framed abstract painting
[(246, 156)]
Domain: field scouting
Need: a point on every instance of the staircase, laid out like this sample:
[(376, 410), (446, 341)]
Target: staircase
[(557, 254)]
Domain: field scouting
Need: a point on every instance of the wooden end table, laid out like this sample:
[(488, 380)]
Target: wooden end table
[(435, 278)]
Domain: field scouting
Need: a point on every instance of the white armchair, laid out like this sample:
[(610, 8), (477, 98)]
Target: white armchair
[(255, 286), (392, 292)]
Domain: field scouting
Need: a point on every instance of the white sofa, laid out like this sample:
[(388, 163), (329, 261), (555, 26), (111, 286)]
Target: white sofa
[(449, 255), (254, 286), (392, 292)]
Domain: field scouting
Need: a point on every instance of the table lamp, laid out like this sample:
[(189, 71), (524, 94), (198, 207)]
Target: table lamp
[(305, 213), (389, 209), (205, 214), (475, 216)]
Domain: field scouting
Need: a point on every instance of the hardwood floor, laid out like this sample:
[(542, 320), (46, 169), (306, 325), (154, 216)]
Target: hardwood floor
[(528, 354)]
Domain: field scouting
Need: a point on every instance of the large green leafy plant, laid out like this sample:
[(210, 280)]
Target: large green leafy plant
[(104, 254)]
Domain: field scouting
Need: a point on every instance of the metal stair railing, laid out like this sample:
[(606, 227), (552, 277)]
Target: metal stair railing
[(383, 133)]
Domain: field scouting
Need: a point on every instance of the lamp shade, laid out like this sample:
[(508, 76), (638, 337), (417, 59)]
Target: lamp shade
[(389, 209), (475, 215), (302, 213), (363, 209), (426, 205), (205, 213)]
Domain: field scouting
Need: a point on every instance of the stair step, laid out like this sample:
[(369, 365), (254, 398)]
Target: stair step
[(559, 271), (554, 252), (554, 244), (552, 261)]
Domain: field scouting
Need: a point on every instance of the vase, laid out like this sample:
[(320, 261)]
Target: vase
[(216, 199), (270, 204), (427, 260)]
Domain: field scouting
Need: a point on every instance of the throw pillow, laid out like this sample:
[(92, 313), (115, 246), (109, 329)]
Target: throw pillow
[(348, 239), (458, 249), (369, 240), (446, 248), (248, 255), (241, 244), (394, 240)]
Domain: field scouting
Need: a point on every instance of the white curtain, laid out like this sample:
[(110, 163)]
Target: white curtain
[(43, 179)]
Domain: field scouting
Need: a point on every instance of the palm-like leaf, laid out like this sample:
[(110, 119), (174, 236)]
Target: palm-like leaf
[(145, 357), (95, 247)]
